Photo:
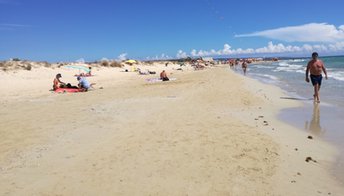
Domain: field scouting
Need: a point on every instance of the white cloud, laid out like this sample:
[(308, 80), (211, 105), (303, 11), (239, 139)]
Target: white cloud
[(313, 32), (81, 60), (122, 57), (269, 49), (164, 56), (181, 54), (104, 59), (159, 57)]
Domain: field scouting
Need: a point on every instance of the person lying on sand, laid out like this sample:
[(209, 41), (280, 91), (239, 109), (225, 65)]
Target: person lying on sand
[(142, 72), (163, 76), (198, 66), (88, 74), (147, 72)]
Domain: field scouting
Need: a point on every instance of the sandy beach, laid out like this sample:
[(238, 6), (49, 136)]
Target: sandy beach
[(209, 132)]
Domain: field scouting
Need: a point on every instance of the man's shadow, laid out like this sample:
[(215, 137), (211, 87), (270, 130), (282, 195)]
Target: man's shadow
[(314, 125)]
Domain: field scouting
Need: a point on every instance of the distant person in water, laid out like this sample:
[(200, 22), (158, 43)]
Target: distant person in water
[(315, 67), (58, 83), (244, 67), (163, 76), (231, 64), (83, 85)]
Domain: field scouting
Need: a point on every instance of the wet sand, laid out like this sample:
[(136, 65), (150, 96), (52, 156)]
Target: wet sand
[(323, 122)]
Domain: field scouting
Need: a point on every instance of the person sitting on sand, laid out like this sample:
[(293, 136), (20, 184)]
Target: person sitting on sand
[(89, 73), (163, 76), (83, 85), (58, 83)]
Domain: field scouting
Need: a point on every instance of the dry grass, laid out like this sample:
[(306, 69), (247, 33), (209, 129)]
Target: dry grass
[(105, 63), (21, 65), (2, 66), (46, 64), (116, 64), (28, 67), (149, 62)]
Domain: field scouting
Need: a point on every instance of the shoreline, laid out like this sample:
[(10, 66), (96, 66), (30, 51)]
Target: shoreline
[(324, 125), (308, 119), (290, 147), (214, 127)]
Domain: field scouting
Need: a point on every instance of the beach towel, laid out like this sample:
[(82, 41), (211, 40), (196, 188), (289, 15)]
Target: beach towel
[(155, 80), (67, 90)]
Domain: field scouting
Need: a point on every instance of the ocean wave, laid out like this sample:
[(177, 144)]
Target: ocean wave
[(283, 64), (289, 68), (298, 60), (262, 67), (288, 64), (266, 78), (300, 71), (337, 75)]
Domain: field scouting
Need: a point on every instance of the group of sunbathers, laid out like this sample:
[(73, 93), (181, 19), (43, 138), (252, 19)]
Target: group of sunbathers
[(163, 74), (148, 72), (83, 84), (88, 74)]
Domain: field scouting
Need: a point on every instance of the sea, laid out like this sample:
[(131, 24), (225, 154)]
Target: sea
[(324, 120)]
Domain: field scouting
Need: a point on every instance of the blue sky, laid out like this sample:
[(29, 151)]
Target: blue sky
[(61, 30)]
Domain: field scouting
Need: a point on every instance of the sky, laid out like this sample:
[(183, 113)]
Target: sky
[(72, 30)]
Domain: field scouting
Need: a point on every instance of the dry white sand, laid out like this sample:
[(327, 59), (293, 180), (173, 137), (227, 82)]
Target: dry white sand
[(203, 134)]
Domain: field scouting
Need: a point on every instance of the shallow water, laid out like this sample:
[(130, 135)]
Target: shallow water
[(290, 76), (324, 120)]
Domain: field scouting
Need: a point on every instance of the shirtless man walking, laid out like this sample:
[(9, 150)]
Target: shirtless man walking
[(315, 67)]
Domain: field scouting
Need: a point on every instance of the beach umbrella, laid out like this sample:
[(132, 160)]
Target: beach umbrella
[(78, 67), (130, 61)]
